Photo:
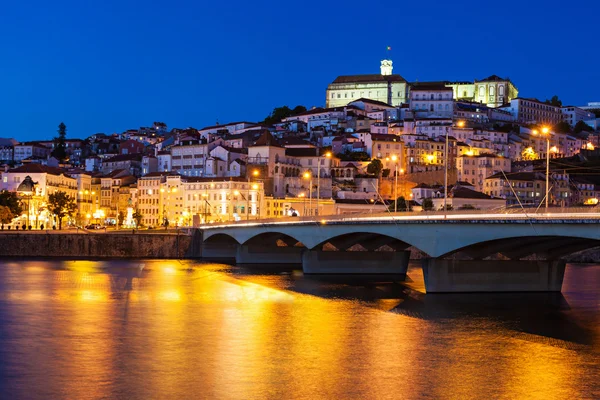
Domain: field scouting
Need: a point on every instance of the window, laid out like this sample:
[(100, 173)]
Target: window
[(492, 90), (481, 91)]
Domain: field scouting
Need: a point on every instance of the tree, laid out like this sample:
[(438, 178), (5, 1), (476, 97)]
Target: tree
[(6, 216), (529, 154), (375, 167), (12, 201), (353, 156), (467, 207), (60, 146), (427, 205), (385, 173), (554, 101), (61, 205), (562, 127), (137, 216), (402, 205), (280, 113), (582, 126)]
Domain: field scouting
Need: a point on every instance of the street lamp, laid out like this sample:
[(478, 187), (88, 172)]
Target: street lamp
[(255, 173), (327, 155), (395, 160), (546, 132), (308, 175)]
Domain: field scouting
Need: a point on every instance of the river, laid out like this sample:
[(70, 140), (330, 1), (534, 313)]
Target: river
[(179, 329)]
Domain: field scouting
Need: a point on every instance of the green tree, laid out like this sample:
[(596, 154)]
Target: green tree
[(375, 167), (6, 216), (555, 101), (60, 146), (402, 205), (427, 205), (280, 113), (12, 201), (137, 216), (353, 156), (582, 126), (61, 205), (562, 127), (529, 154)]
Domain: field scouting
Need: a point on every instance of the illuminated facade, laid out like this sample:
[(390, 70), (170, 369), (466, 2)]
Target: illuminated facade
[(186, 201), (475, 168), (385, 87), (494, 91)]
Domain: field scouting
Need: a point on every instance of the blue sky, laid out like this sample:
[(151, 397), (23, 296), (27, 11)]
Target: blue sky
[(108, 66)]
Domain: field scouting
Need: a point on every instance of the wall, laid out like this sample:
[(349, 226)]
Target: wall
[(100, 245)]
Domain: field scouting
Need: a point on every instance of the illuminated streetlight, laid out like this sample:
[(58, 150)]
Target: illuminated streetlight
[(327, 155), (546, 132), (308, 175), (395, 160), (255, 174)]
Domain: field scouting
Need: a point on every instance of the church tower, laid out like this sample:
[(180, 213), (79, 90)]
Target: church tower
[(386, 67)]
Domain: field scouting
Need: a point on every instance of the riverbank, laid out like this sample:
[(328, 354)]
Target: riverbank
[(87, 244)]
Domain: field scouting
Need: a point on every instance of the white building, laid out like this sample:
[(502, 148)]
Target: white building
[(572, 115), (385, 87), (431, 99)]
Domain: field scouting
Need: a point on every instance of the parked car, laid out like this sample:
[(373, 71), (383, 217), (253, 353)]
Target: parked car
[(94, 226)]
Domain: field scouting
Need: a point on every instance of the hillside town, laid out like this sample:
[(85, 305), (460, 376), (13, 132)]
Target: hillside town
[(380, 144)]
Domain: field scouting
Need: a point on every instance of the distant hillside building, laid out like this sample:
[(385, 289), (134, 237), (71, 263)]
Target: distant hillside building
[(384, 87)]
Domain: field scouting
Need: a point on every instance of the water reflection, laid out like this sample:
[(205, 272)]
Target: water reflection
[(170, 329)]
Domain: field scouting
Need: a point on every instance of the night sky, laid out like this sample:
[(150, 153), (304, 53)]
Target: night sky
[(116, 65)]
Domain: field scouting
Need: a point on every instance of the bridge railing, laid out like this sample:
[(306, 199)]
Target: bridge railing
[(489, 214)]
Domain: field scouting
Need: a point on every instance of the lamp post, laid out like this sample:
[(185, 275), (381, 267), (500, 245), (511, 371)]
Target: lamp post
[(395, 160), (327, 155), (255, 173), (308, 175), (546, 132)]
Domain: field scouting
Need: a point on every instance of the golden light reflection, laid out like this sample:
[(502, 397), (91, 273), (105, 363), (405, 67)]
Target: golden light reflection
[(170, 295)]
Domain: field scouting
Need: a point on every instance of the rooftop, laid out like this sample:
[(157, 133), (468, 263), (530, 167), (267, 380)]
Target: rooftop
[(368, 78)]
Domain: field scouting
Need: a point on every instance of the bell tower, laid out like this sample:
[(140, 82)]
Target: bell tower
[(386, 67)]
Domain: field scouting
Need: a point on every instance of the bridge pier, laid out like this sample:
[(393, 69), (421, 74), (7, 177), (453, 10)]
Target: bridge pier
[(246, 254), (355, 262), (461, 276), (218, 251)]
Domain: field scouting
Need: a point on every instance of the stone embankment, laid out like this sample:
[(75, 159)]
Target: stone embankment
[(94, 245)]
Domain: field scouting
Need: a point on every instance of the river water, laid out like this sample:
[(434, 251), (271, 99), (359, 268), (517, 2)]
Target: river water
[(169, 329)]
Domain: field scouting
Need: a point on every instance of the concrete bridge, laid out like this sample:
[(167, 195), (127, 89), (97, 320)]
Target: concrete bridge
[(464, 252)]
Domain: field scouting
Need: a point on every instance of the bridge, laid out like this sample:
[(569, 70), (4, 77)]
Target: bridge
[(461, 252)]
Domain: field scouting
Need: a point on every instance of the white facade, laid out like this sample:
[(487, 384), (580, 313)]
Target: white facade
[(572, 115), (431, 101)]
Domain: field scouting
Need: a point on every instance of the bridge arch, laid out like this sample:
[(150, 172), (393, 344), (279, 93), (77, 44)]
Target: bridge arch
[(220, 238), (369, 241), (278, 239), (552, 247)]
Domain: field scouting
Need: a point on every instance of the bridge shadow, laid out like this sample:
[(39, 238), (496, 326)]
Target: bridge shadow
[(537, 317)]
